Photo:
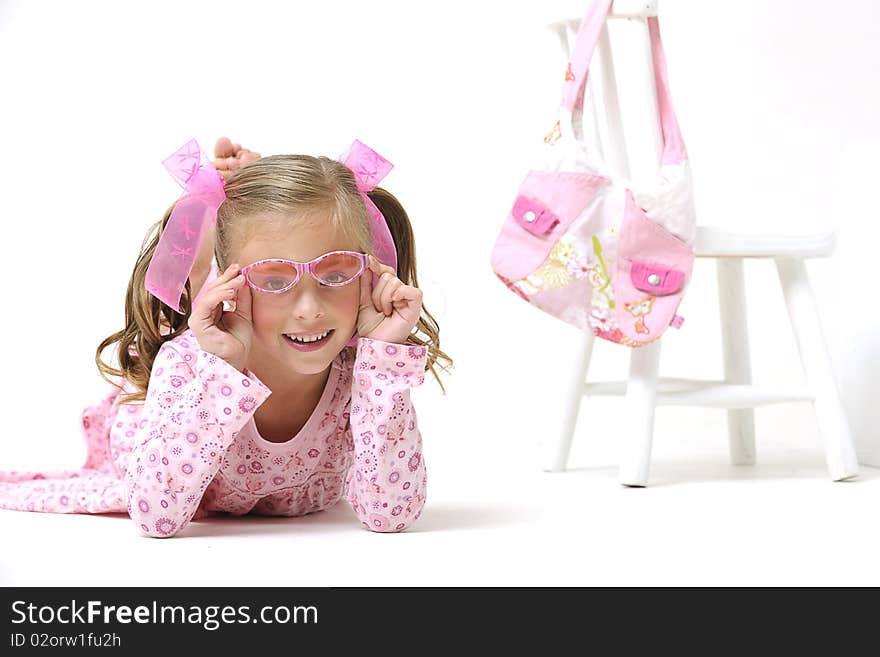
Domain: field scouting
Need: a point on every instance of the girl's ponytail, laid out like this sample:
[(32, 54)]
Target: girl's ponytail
[(148, 323), (427, 332)]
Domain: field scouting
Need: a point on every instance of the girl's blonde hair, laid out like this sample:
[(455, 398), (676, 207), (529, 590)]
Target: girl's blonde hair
[(262, 197)]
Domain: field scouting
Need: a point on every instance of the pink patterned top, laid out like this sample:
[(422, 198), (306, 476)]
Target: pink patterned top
[(192, 447)]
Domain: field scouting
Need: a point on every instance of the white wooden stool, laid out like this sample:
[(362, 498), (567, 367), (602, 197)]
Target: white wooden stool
[(644, 390)]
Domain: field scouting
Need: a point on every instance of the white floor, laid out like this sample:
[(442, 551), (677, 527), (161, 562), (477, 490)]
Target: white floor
[(496, 519)]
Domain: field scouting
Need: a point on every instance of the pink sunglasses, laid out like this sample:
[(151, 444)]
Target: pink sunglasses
[(333, 269)]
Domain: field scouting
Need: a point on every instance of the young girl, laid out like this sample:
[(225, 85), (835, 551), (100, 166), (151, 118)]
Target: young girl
[(285, 383)]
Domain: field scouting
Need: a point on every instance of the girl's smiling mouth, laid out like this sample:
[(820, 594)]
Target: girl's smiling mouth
[(309, 341)]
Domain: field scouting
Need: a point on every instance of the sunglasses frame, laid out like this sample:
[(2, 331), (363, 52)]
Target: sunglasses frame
[(303, 267)]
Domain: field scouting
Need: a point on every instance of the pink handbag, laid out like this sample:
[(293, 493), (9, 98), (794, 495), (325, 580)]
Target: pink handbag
[(608, 259)]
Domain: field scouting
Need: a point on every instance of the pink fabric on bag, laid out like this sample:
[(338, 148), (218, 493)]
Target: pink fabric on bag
[(518, 252), (534, 216), (645, 248), (668, 281), (193, 448), (642, 238)]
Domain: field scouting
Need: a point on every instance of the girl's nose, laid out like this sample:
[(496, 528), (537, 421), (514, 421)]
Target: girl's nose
[(306, 301)]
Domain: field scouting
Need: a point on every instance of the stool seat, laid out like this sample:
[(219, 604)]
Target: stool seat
[(713, 242)]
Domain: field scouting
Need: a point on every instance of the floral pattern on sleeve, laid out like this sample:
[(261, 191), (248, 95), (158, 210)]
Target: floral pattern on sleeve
[(386, 485), (196, 404)]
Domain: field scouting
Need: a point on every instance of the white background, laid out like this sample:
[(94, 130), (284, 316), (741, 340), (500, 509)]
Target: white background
[(778, 107)]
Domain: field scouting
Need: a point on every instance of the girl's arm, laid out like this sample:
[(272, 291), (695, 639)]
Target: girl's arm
[(196, 404), (386, 484)]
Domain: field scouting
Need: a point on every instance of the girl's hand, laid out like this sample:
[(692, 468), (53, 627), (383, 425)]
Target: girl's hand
[(390, 311), (226, 334), (229, 157)]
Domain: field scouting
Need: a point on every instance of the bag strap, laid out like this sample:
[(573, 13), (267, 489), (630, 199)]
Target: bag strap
[(575, 84)]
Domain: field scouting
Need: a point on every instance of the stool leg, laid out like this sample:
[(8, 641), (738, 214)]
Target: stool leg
[(839, 450), (737, 361), (638, 414), (573, 397)]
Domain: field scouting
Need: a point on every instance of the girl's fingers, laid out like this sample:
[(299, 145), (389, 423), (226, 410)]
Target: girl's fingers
[(380, 268), (244, 302), (228, 274), (386, 285), (223, 277), (388, 295), (407, 293), (379, 292), (223, 289), (205, 314), (366, 283)]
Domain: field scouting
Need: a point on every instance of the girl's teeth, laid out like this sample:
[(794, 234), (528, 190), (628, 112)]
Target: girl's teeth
[(313, 338)]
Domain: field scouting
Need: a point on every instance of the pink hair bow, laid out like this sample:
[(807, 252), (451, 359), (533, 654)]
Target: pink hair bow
[(369, 168), (193, 215)]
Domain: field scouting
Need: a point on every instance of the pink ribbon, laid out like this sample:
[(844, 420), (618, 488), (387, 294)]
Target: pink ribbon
[(369, 168), (193, 215)]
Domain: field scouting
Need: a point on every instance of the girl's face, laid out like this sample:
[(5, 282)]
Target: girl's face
[(306, 310)]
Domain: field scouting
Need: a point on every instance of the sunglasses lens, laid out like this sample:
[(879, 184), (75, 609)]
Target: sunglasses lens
[(272, 276), (338, 269)]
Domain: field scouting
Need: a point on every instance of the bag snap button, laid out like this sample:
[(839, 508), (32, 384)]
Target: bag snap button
[(529, 217), (654, 279)]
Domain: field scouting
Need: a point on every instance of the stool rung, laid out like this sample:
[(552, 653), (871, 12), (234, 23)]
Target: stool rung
[(696, 392)]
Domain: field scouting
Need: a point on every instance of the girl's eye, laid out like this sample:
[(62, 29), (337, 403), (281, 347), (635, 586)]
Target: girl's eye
[(275, 283), (334, 277)]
